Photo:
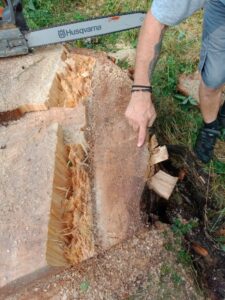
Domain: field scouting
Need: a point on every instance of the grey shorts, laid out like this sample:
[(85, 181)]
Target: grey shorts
[(212, 57)]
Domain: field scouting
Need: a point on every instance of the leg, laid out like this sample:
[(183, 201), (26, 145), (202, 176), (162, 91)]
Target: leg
[(210, 101), (212, 70)]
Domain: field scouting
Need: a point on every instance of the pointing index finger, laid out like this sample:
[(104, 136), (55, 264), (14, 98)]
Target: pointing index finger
[(141, 135)]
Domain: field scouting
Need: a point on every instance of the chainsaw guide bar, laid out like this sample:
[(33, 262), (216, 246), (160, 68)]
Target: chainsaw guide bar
[(84, 29)]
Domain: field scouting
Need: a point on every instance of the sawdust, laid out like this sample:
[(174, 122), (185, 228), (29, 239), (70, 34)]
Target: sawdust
[(140, 268)]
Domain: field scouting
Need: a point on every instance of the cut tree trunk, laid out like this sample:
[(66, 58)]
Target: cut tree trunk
[(71, 175)]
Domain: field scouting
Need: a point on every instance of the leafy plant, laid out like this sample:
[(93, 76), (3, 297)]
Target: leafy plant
[(176, 278), (219, 167), (184, 257), (186, 101), (181, 229), (31, 6), (168, 271)]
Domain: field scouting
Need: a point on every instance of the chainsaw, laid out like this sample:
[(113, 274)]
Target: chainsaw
[(16, 39)]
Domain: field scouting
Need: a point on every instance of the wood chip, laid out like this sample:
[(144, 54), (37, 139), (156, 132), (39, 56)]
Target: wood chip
[(200, 250), (158, 155), (153, 143), (163, 184)]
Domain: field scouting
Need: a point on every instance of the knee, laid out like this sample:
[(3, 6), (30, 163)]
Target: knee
[(210, 89), (213, 82), (212, 70)]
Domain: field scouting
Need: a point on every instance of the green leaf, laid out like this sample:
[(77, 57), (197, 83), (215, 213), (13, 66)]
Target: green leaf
[(179, 97), (84, 286), (220, 239), (185, 101), (181, 35), (219, 167), (223, 134), (192, 101), (79, 17), (31, 5)]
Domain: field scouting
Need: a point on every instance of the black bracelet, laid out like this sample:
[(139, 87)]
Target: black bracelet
[(141, 86), (141, 90)]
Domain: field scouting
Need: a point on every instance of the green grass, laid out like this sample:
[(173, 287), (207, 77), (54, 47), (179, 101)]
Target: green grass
[(41, 13), (175, 244), (178, 123), (167, 271)]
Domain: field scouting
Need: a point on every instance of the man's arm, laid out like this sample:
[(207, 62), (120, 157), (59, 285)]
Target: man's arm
[(141, 111)]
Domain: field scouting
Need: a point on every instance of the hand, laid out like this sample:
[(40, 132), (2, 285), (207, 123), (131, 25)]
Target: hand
[(141, 114)]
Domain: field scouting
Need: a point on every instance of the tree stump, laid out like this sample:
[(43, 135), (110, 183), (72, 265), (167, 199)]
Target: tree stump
[(71, 175)]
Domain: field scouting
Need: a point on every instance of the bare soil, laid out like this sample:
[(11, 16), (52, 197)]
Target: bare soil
[(140, 268)]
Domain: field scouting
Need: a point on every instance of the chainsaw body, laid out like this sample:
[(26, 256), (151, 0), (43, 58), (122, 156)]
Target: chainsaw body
[(12, 28)]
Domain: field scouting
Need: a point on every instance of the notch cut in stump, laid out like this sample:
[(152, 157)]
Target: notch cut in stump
[(72, 176), (33, 166), (47, 78)]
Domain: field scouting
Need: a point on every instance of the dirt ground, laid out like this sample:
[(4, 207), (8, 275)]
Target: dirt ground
[(140, 268)]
